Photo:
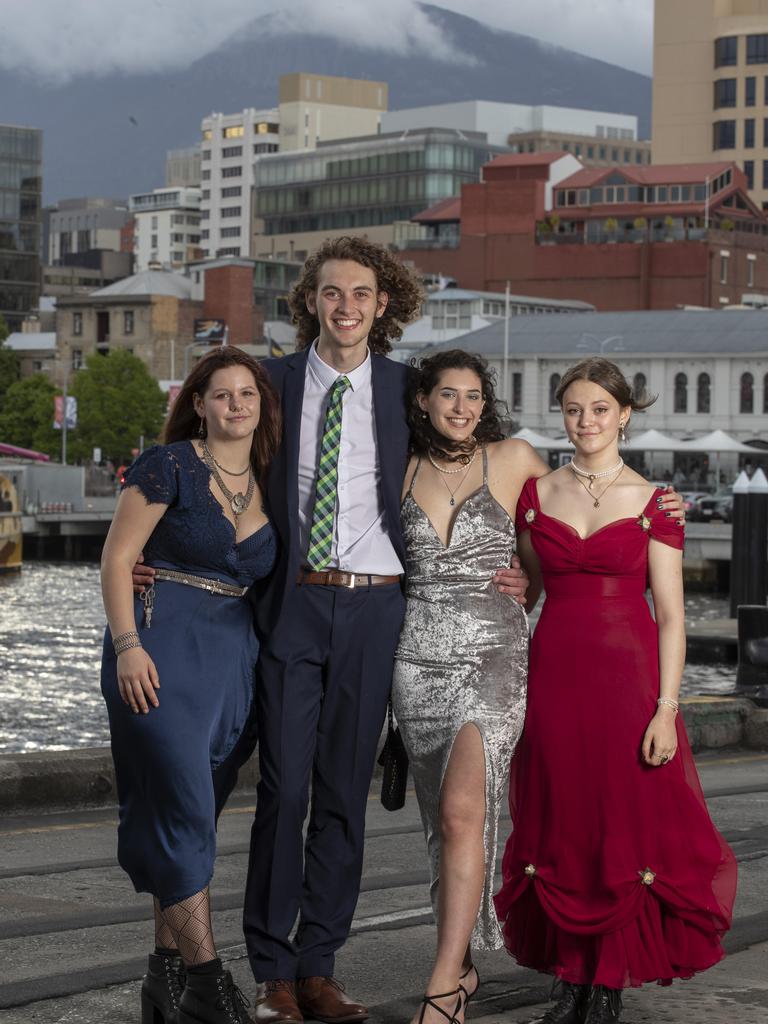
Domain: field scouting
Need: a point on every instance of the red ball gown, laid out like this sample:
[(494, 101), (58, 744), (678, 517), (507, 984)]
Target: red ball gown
[(614, 873)]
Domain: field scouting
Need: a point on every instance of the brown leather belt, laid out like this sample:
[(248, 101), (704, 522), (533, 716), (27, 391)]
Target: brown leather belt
[(339, 578)]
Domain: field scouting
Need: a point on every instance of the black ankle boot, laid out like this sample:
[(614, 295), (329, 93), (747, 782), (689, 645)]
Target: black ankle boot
[(161, 989), (604, 1005), (570, 1006), (212, 999)]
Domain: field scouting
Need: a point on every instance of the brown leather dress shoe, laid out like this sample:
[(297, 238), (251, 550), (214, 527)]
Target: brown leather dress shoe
[(324, 999), (276, 1003)]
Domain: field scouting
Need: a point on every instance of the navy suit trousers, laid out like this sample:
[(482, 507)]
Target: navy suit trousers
[(325, 676)]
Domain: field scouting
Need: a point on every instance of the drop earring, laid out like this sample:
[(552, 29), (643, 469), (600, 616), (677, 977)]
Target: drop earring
[(201, 431), (622, 434)]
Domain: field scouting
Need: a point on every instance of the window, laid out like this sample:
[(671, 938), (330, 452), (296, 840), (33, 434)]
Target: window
[(233, 232), (757, 49), (750, 270), (205, 175), (723, 269), (77, 324), (206, 193), (726, 51), (228, 151), (747, 393), (750, 91), (230, 211), (127, 321), (517, 392), (703, 393), (207, 134), (725, 93), (724, 135), (153, 242), (638, 385), (749, 133), (749, 170), (177, 236), (231, 172), (230, 191), (206, 154), (77, 359), (554, 381), (235, 131), (681, 393)]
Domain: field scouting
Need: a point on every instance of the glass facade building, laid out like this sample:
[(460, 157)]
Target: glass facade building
[(366, 181), (20, 221)]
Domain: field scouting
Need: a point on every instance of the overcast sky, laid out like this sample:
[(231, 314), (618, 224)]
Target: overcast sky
[(64, 38)]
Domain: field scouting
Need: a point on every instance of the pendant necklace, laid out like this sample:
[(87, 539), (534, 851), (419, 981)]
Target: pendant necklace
[(588, 487), (592, 476), (450, 472), (238, 501)]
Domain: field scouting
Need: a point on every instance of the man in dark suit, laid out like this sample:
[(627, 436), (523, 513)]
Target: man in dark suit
[(329, 619)]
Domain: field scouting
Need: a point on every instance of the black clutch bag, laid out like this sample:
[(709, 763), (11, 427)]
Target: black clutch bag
[(394, 760)]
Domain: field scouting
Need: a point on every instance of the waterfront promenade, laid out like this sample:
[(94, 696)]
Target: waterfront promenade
[(73, 935)]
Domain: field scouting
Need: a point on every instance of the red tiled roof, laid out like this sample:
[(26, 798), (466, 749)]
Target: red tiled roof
[(446, 209), (655, 174)]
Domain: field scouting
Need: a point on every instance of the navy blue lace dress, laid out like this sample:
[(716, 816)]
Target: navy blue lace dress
[(205, 650)]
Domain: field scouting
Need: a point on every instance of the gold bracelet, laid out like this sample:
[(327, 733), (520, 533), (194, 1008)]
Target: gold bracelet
[(125, 641), (669, 702)]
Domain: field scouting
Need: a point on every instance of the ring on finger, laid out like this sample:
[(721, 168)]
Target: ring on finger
[(663, 758)]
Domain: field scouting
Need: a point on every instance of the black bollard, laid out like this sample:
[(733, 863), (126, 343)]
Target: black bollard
[(740, 530), (757, 580)]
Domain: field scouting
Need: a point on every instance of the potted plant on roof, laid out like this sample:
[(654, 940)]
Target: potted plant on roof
[(640, 225), (544, 232), (669, 223), (727, 224), (611, 227)]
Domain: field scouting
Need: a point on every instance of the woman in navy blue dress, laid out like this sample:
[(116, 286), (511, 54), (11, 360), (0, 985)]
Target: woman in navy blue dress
[(178, 663)]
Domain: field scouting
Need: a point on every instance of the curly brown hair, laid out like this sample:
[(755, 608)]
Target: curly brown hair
[(424, 437), (393, 277), (183, 421)]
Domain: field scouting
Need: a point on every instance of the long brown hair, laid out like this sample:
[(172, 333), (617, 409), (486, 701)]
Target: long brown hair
[(424, 437), (183, 422), (393, 277), (608, 375)]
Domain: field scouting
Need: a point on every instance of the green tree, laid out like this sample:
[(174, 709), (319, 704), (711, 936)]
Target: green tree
[(117, 402), (9, 363), (26, 416)]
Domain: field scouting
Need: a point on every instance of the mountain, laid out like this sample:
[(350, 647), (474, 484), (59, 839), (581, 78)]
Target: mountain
[(108, 135)]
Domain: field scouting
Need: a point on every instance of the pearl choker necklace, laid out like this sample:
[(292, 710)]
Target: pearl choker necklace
[(592, 476)]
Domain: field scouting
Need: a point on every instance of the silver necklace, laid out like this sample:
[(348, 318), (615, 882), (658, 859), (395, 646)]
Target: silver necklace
[(452, 472), (592, 476), (229, 472), (238, 501)]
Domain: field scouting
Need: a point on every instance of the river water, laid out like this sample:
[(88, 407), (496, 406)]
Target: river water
[(51, 628)]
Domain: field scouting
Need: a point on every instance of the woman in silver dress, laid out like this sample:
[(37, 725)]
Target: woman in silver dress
[(460, 672)]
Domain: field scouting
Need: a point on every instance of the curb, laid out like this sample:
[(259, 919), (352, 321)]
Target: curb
[(58, 779)]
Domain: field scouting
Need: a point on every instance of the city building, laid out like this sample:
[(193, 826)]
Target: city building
[(36, 352), (88, 272), (709, 368), (230, 144), (314, 108), (710, 85), (272, 281), (183, 167), (77, 226), (374, 185), (591, 150), (621, 239), (166, 229), (20, 221)]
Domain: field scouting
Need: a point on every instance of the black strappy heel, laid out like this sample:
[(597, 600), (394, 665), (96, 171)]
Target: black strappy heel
[(430, 1001), (463, 988)]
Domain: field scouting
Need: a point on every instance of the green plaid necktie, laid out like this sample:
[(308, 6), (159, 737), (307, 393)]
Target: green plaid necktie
[(321, 533)]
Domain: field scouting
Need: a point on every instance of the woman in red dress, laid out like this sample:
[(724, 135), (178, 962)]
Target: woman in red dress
[(614, 874)]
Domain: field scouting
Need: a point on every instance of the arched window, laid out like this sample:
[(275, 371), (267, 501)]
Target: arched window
[(765, 393), (747, 393), (681, 393), (554, 380), (638, 385), (703, 391)]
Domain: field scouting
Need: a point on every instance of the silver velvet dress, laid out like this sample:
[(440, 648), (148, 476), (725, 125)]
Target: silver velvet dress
[(462, 658)]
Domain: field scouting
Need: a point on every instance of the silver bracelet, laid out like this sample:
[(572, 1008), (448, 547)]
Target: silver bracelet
[(669, 702), (125, 641)]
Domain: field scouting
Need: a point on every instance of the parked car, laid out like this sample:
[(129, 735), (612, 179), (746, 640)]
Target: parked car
[(691, 501), (716, 507)]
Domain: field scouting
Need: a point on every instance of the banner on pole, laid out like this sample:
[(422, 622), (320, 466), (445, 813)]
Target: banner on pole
[(58, 412)]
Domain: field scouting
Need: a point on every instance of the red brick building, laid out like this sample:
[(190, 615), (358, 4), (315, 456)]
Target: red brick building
[(620, 238)]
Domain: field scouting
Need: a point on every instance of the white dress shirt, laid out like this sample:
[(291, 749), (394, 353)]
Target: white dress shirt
[(360, 540)]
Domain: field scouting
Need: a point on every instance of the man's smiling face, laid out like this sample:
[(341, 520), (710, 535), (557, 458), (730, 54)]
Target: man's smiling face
[(346, 303)]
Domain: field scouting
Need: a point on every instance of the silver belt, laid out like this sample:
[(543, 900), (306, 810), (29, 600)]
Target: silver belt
[(200, 582)]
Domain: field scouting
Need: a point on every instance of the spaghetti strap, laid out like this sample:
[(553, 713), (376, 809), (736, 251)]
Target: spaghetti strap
[(413, 478), (485, 466)]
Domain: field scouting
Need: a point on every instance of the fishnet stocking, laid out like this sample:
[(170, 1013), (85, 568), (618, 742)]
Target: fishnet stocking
[(164, 938), (190, 923)]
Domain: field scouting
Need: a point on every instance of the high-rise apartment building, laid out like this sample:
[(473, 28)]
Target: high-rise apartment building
[(322, 107), (182, 167), (710, 85), (167, 227), (78, 226), (231, 143), (20, 221)]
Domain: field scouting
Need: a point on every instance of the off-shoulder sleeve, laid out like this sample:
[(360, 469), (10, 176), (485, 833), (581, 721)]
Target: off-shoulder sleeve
[(527, 506), (156, 474), (665, 528)]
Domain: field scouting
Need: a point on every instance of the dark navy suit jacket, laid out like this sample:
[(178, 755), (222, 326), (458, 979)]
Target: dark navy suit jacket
[(389, 381)]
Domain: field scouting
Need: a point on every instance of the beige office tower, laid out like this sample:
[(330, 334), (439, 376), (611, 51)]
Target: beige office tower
[(710, 85), (315, 108)]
